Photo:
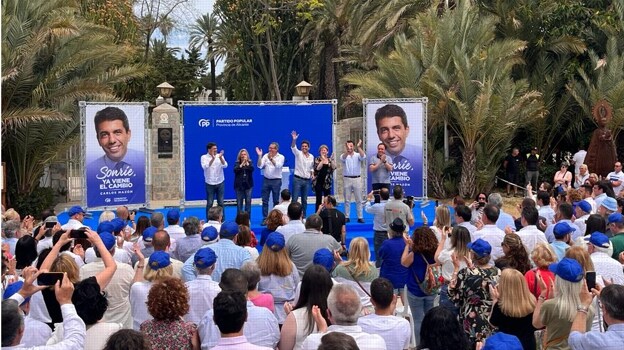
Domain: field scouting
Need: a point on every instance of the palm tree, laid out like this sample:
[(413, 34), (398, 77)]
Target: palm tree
[(203, 33), (456, 61), (51, 58)]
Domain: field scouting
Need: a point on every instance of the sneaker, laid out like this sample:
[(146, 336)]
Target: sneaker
[(347, 220), (361, 221)]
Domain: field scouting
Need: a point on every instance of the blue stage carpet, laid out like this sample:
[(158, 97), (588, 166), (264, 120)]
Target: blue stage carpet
[(354, 229)]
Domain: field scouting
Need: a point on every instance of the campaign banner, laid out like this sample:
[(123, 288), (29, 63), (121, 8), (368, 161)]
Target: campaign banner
[(237, 126), (113, 136), (400, 126)]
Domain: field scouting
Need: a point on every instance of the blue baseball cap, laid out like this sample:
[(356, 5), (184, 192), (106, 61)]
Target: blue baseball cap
[(616, 218), (205, 258), (108, 239), (610, 203), (325, 258), (275, 241), (173, 214), (148, 234), (584, 206), (118, 225), (228, 229), (480, 247), (159, 260), (76, 209), (568, 269), (12, 289), (598, 239), (209, 234), (105, 226), (502, 341), (562, 228)]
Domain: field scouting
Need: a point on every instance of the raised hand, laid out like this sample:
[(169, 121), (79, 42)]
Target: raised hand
[(359, 144), (294, 135), (259, 152), (221, 154)]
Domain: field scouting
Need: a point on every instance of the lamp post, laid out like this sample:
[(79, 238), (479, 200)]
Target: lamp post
[(164, 90), (302, 91)]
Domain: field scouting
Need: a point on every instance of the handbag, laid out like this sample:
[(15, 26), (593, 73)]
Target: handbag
[(432, 281)]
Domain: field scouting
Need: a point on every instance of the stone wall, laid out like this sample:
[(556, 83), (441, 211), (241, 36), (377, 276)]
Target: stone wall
[(346, 129), (166, 172)]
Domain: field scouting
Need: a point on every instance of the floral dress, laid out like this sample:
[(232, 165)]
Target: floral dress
[(169, 335), (472, 296)]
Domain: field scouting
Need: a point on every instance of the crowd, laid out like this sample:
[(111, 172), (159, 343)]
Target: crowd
[(550, 275)]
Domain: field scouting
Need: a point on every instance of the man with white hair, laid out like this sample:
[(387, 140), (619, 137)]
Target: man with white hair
[(504, 219), (343, 310), (606, 267)]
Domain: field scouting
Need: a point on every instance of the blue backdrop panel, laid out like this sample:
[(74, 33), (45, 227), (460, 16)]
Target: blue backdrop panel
[(236, 126)]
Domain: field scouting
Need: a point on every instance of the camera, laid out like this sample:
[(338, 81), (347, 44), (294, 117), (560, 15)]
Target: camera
[(481, 205), (409, 201)]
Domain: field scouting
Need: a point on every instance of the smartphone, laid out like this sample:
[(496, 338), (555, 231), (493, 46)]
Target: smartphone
[(590, 279), (481, 204), (50, 224), (49, 278), (80, 233)]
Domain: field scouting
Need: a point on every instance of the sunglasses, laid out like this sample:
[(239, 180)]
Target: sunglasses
[(481, 198)]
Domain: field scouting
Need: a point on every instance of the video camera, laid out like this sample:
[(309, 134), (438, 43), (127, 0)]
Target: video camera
[(409, 201)]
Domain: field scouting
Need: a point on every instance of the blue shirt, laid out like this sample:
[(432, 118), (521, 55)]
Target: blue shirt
[(612, 339), (550, 236), (391, 268), (505, 220), (229, 255), (560, 249), (418, 269), (116, 183)]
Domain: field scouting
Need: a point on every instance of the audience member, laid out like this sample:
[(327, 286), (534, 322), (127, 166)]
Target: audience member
[(605, 266), (441, 331), (358, 270), (252, 274), (127, 339), (459, 237), (529, 234), (516, 256), (191, 242), (542, 256), (390, 253), (302, 247), (203, 289), (490, 232), (294, 225), (337, 341), (159, 269), (244, 239), (380, 227)]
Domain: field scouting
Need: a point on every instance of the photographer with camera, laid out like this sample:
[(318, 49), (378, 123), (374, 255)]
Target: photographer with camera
[(398, 208), (380, 227)]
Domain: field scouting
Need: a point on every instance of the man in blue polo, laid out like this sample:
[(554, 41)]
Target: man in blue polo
[(562, 232)]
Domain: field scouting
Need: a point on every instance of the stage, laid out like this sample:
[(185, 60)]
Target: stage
[(354, 229)]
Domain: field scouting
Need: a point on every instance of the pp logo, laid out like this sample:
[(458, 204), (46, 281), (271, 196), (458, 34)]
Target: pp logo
[(107, 200), (204, 123)]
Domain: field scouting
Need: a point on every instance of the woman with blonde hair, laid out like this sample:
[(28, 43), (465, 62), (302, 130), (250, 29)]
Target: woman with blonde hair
[(459, 238), (243, 181), (106, 215), (358, 270), (158, 268), (581, 255), (542, 256), (558, 313), (513, 306), (278, 274), (442, 220)]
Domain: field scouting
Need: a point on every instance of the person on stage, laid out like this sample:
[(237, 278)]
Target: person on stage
[(380, 168), (324, 166), (352, 180), (243, 181), (271, 163), (304, 169), (213, 164)]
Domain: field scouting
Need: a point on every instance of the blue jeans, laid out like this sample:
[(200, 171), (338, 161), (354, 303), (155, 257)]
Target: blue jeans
[(301, 187), (419, 306), (270, 186), (213, 191), (243, 196), (378, 238)]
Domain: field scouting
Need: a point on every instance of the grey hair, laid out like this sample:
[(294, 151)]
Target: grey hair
[(344, 304), (10, 228), (314, 221), (252, 272), (496, 200), (157, 219), (12, 321), (191, 226)]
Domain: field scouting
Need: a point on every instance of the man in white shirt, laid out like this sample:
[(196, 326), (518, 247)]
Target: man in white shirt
[(396, 331), (76, 216), (284, 203), (581, 213), (304, 169), (261, 328), (545, 210), (530, 235), (463, 215), (504, 219), (599, 192), (162, 242), (606, 267), (380, 227), (616, 177), (490, 232), (577, 159), (586, 193), (213, 164), (583, 174), (215, 218), (343, 310), (271, 164), (563, 214), (118, 289), (295, 223), (175, 231), (203, 289), (352, 181)]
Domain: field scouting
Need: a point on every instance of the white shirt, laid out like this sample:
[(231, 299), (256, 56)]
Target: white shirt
[(97, 334), (607, 267), (214, 223), (547, 212), (303, 165), (260, 329), (202, 292), (121, 256), (352, 164), (283, 208), (291, 228), (599, 198), (591, 201), (619, 176), (36, 333), (213, 173), (578, 158), (470, 227), (365, 341), (396, 331), (138, 297), (494, 236), (72, 224), (582, 224), (530, 236), (272, 171), (117, 291), (44, 244), (176, 232)]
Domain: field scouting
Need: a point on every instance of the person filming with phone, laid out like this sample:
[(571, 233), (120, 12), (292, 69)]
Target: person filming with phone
[(606, 267)]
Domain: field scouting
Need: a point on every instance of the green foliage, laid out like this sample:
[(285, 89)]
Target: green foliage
[(33, 203)]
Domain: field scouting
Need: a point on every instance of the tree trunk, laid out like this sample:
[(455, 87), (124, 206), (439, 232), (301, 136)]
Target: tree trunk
[(468, 183), (213, 77), (276, 88)]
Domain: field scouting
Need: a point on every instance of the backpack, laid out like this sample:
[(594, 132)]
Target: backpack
[(432, 281)]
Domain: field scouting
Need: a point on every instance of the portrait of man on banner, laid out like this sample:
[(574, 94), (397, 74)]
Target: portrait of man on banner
[(115, 163), (399, 126)]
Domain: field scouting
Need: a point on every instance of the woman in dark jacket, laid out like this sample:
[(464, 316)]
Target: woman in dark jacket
[(324, 167), (243, 181)]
